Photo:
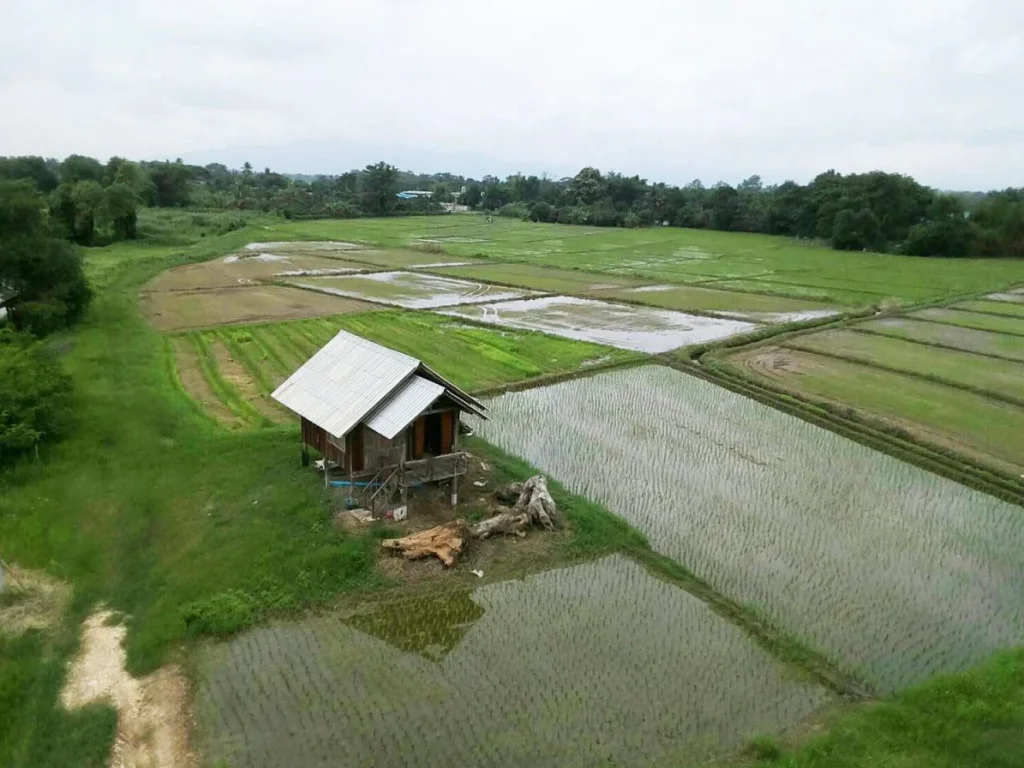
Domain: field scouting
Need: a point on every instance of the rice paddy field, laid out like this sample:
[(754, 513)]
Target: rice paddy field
[(896, 573), (599, 663), (412, 290), (953, 377), (641, 329), (231, 371), (750, 263)]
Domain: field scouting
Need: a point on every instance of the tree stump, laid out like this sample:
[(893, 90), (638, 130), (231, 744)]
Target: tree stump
[(533, 506), (442, 541)]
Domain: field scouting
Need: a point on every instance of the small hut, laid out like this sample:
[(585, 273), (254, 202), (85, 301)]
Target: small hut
[(381, 419)]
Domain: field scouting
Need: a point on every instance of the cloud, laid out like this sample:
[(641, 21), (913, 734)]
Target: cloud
[(667, 89)]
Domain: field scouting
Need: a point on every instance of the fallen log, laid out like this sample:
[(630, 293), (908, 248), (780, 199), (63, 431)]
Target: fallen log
[(534, 505), (442, 541)]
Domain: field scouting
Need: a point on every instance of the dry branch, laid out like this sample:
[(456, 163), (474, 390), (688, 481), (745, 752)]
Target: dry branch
[(443, 541)]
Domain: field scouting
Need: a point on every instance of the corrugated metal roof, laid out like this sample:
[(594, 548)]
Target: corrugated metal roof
[(343, 382), (403, 406)]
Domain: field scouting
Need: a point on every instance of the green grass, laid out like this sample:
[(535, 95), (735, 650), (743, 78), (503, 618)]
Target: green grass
[(986, 375), (954, 337), (987, 430), (976, 320), (35, 729), (1007, 308), (972, 720)]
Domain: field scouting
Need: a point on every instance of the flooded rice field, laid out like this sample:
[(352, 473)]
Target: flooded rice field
[(640, 329), (894, 572), (411, 290), (599, 663)]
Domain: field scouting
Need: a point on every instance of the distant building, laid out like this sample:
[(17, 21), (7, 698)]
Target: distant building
[(412, 194)]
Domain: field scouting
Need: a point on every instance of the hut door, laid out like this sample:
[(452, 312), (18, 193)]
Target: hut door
[(419, 434), (447, 432), (355, 444)]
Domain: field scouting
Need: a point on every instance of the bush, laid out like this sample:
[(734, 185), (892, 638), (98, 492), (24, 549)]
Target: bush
[(514, 210), (222, 614), (35, 395), (542, 212)]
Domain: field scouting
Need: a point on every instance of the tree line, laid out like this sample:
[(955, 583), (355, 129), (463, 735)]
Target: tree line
[(874, 211), (96, 202)]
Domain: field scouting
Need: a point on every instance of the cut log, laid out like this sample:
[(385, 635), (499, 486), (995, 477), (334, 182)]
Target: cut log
[(534, 505), (506, 522), (538, 503), (442, 541)]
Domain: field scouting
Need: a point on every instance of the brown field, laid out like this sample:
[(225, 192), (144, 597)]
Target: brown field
[(240, 270), (178, 310)]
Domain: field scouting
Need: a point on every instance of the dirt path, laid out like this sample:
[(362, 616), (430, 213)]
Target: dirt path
[(152, 728)]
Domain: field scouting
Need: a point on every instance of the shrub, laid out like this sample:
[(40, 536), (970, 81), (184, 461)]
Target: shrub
[(222, 614), (35, 395)]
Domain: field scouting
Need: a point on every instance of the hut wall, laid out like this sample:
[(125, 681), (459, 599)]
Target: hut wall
[(380, 452), (317, 438)]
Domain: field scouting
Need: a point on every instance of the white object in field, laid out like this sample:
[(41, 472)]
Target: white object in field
[(400, 513), (321, 462), (478, 574), (362, 515), (479, 483)]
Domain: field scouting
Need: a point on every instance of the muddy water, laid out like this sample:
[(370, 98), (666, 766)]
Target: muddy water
[(889, 569), (641, 329), (411, 290), (599, 663)]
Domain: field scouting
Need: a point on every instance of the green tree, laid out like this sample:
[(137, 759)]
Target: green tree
[(88, 199), (171, 184), (379, 182), (41, 277), (42, 172), (76, 168), (586, 187), (119, 210)]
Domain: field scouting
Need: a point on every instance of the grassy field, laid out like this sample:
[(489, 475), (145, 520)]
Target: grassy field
[(234, 388), (973, 720)]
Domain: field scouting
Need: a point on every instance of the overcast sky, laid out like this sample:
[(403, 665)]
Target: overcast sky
[(669, 89)]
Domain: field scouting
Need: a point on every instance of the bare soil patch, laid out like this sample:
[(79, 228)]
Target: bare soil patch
[(497, 557), (153, 725), (246, 268), (32, 600), (179, 310)]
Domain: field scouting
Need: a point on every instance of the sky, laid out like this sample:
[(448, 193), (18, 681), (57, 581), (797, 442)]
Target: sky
[(669, 89)]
